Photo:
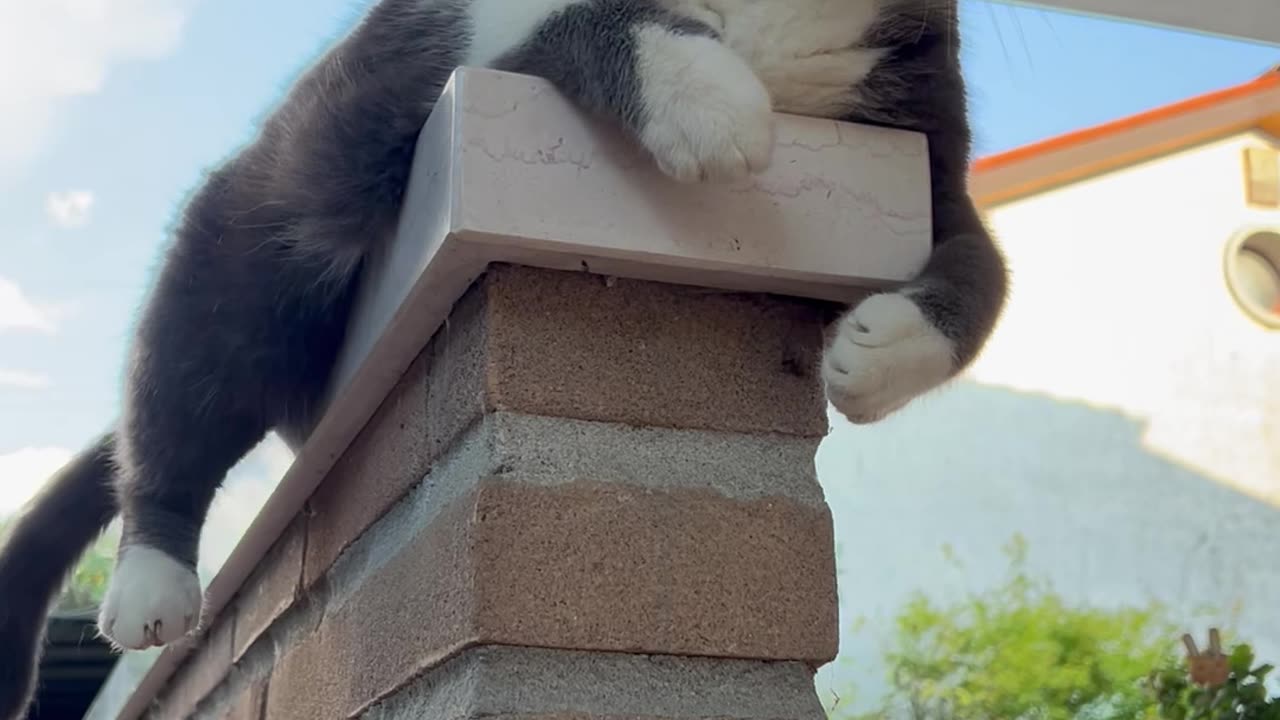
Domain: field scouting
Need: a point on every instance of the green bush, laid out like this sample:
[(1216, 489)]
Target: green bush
[(1242, 697), (88, 582), (1021, 652)]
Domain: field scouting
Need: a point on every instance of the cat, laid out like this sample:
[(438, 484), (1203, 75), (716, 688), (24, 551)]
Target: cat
[(242, 327)]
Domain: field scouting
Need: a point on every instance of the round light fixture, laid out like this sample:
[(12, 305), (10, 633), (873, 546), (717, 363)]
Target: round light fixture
[(1253, 274)]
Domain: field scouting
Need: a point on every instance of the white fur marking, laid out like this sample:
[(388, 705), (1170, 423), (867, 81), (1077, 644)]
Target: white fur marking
[(153, 600), (806, 52), (885, 353), (708, 116), (499, 26)]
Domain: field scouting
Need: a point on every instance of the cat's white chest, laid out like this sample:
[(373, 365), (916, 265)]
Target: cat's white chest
[(805, 51)]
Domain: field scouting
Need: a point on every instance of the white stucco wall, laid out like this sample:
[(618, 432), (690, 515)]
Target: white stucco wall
[(1125, 419)]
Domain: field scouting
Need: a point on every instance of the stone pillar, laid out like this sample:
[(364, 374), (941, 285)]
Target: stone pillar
[(567, 470), (620, 519)]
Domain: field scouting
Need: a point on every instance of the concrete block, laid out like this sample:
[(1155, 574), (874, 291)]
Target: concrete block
[(518, 538), (273, 588), (503, 682), (203, 670)]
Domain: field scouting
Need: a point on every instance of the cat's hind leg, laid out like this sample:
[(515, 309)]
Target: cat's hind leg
[(689, 99), (176, 449), (239, 337)]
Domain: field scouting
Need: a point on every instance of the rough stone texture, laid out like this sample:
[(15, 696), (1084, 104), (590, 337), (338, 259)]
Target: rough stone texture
[(620, 473), (203, 671), (531, 340), (492, 682), (581, 565), (250, 705), (406, 619), (581, 346), (603, 566), (389, 456), (552, 451), (272, 589)]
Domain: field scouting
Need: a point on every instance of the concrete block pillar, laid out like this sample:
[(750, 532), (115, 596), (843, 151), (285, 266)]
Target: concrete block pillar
[(625, 521), (567, 468)]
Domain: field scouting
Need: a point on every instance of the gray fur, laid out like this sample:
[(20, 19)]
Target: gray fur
[(249, 310), (919, 86)]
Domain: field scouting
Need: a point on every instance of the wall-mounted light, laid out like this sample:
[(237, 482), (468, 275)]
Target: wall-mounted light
[(1253, 273)]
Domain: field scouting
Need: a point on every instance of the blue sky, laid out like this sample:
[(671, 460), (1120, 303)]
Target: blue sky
[(109, 119)]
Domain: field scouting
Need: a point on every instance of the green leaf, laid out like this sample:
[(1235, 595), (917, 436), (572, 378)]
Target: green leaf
[(1253, 692), (1241, 660)]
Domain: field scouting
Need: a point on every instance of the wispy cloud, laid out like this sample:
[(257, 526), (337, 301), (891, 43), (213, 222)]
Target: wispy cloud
[(53, 50), (24, 380), (25, 471), (69, 208), (19, 312)]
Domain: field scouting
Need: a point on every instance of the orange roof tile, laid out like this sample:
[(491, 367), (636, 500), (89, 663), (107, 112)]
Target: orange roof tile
[(1072, 156)]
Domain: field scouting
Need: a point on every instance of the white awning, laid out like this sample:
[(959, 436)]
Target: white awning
[(1256, 20)]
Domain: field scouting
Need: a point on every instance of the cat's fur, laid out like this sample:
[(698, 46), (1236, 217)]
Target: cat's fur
[(249, 310)]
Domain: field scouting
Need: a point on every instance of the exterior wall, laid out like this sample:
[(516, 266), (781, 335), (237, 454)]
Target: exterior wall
[(1125, 419), (1132, 263)]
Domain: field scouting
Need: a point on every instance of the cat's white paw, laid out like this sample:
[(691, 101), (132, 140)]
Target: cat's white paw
[(884, 354), (153, 600), (707, 115)]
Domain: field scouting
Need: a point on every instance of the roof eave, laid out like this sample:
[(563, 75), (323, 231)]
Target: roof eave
[(1069, 158)]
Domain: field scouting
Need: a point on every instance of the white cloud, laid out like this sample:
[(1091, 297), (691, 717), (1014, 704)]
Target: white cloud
[(24, 472), (53, 50), (19, 312), (69, 208), (24, 380)]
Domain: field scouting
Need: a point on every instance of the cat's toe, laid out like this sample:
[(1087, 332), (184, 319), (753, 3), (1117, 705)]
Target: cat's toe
[(153, 600), (705, 114), (884, 354)]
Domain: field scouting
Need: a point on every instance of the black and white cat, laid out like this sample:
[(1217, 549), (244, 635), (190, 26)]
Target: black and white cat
[(248, 312)]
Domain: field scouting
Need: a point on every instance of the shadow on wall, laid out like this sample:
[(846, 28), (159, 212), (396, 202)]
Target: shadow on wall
[(1107, 522)]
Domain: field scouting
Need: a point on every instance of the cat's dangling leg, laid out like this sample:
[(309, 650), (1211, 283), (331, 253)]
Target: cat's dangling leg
[(239, 337), (176, 448), (166, 486), (895, 346), (690, 100)]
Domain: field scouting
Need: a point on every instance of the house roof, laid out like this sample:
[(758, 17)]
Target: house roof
[(1037, 167)]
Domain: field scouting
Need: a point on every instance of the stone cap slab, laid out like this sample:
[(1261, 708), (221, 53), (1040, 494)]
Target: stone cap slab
[(507, 170)]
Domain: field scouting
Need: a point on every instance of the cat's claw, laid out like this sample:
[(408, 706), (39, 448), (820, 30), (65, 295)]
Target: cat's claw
[(884, 354), (153, 600), (706, 116)]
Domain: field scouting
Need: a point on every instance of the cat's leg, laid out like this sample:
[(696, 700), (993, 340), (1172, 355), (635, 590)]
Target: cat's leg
[(690, 100), (177, 458), (188, 419), (895, 346), (237, 335), (251, 305)]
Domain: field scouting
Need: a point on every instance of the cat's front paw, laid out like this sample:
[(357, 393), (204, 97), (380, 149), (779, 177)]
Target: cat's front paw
[(153, 600), (884, 354), (704, 114)]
